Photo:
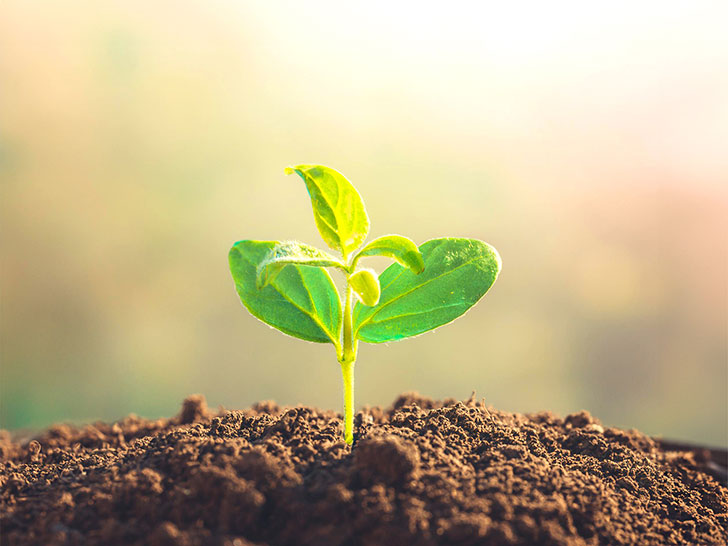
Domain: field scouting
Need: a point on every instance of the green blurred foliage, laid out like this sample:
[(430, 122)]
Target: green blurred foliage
[(138, 141)]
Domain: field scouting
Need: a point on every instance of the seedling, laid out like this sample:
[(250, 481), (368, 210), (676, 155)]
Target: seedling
[(287, 284)]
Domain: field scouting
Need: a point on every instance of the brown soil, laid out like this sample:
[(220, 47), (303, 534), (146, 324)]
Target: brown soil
[(422, 472)]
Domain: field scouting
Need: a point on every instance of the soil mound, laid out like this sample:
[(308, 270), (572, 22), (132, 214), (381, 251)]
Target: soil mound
[(422, 472)]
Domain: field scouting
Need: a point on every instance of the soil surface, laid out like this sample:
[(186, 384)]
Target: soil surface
[(420, 473)]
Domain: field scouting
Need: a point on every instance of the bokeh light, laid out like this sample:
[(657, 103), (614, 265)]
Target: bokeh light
[(587, 143)]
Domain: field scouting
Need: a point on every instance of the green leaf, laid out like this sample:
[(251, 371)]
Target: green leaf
[(301, 301), (338, 208), (402, 249), (458, 272), (366, 286), (292, 252)]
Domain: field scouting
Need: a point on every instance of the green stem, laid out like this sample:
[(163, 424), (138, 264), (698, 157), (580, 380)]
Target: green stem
[(347, 359), (347, 371)]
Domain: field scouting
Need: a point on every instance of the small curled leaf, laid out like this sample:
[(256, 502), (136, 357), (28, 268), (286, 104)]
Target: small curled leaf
[(366, 286), (291, 252), (401, 249)]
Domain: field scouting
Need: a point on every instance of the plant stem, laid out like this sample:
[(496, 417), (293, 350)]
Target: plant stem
[(347, 359), (347, 371)]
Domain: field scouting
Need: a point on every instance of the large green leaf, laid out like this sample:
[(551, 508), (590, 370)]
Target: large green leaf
[(402, 249), (292, 252), (338, 208), (458, 272), (301, 301)]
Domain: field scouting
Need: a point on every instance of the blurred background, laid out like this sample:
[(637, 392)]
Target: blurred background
[(589, 145)]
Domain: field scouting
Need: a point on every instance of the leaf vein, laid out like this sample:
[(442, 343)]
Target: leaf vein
[(458, 304), (312, 316)]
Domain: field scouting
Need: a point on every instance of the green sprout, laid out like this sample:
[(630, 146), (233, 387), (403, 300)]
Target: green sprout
[(287, 284)]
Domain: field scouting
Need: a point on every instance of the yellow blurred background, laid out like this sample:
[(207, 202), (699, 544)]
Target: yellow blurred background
[(589, 145)]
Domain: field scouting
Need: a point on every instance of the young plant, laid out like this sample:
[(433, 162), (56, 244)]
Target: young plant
[(287, 284)]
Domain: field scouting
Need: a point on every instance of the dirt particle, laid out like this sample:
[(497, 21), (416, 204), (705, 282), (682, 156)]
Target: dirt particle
[(515, 452), (627, 483), (34, 451), (387, 459), (167, 534), (194, 408), (594, 427), (580, 419)]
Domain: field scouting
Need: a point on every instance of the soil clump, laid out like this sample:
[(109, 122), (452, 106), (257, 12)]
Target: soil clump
[(419, 473)]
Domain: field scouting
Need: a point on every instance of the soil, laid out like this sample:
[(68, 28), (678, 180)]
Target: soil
[(420, 473)]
